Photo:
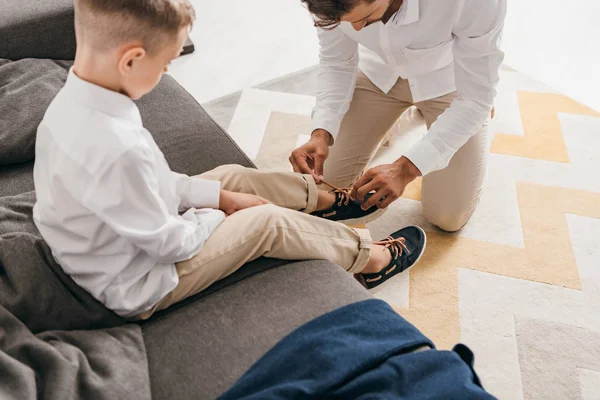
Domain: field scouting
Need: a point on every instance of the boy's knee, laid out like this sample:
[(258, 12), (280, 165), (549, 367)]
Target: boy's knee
[(231, 169), (234, 177), (267, 214), (269, 218)]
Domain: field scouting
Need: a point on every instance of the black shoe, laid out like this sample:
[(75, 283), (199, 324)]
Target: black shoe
[(348, 211), (406, 246)]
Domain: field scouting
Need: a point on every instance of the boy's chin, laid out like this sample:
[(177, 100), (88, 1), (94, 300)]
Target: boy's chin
[(137, 95)]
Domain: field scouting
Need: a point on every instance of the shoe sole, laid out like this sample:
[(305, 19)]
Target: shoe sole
[(364, 220), (379, 287)]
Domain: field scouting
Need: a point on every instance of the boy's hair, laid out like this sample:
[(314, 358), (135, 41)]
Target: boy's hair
[(329, 13), (106, 24)]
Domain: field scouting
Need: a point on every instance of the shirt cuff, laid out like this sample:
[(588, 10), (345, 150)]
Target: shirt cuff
[(328, 121), (202, 194), (425, 157)]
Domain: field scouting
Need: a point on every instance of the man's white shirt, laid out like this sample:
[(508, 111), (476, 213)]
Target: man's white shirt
[(440, 46)]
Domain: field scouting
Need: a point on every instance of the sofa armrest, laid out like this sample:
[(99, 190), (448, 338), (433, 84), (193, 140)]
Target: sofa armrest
[(37, 29)]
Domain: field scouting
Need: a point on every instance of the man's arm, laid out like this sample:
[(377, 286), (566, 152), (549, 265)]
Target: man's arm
[(126, 197), (336, 81), (477, 60)]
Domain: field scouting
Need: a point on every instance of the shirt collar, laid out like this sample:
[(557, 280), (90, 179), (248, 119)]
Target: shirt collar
[(407, 14), (101, 99)]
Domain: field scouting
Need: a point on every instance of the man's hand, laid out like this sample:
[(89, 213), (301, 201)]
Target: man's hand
[(310, 157), (231, 202), (388, 181)]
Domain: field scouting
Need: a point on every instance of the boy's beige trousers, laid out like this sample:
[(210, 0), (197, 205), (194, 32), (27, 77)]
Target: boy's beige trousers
[(277, 231)]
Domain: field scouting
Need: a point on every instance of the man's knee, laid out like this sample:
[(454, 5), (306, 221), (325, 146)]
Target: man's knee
[(449, 220), (450, 211)]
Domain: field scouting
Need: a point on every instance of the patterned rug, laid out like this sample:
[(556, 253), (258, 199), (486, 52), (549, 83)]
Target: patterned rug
[(520, 284)]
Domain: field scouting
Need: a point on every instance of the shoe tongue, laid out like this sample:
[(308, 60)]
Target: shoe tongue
[(341, 195)]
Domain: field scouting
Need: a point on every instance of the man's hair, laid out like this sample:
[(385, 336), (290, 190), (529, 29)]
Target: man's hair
[(329, 13), (108, 23)]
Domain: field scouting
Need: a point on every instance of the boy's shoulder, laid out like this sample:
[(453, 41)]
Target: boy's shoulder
[(89, 136)]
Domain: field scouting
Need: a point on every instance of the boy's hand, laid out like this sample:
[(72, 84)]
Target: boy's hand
[(231, 202)]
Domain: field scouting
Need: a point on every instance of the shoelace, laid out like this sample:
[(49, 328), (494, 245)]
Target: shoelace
[(395, 246), (342, 193)]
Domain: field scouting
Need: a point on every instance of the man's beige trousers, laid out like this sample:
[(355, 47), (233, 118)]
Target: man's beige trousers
[(277, 231), (451, 195)]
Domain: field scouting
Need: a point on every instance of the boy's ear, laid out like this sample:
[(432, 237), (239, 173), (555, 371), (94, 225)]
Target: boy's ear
[(130, 56)]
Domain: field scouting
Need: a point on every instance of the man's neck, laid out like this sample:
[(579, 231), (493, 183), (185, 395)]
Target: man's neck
[(392, 9)]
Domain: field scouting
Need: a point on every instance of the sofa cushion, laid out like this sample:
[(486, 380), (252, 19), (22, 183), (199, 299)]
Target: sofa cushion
[(33, 287), (37, 29), (58, 304), (201, 349), (191, 141), (16, 179), (26, 89)]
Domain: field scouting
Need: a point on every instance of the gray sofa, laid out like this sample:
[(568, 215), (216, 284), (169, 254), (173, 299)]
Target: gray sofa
[(199, 348)]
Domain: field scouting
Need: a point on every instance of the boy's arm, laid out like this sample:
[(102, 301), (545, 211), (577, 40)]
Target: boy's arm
[(197, 193), (126, 197)]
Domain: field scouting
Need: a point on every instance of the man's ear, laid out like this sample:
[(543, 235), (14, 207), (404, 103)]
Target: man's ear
[(129, 57)]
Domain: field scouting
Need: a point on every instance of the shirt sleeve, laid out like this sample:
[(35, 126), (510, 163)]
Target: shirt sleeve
[(477, 60), (336, 80), (195, 192), (126, 198)]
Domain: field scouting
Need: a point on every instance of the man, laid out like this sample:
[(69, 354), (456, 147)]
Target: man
[(441, 56)]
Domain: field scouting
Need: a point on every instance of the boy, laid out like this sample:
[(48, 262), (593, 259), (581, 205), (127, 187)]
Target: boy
[(140, 237)]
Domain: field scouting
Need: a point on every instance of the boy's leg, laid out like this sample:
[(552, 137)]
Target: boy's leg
[(268, 231), (284, 189)]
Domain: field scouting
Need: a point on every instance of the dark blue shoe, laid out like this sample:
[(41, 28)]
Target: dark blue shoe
[(348, 211), (406, 246)]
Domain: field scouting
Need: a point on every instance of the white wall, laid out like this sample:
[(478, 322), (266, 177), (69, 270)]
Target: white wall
[(558, 43), (240, 43)]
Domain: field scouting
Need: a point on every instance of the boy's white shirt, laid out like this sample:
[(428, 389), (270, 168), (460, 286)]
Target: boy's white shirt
[(108, 204), (438, 45)]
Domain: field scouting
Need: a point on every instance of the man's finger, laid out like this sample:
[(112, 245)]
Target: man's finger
[(366, 177), (364, 190), (374, 199), (293, 162), (385, 203), (310, 161), (363, 180), (300, 163), (319, 161)]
